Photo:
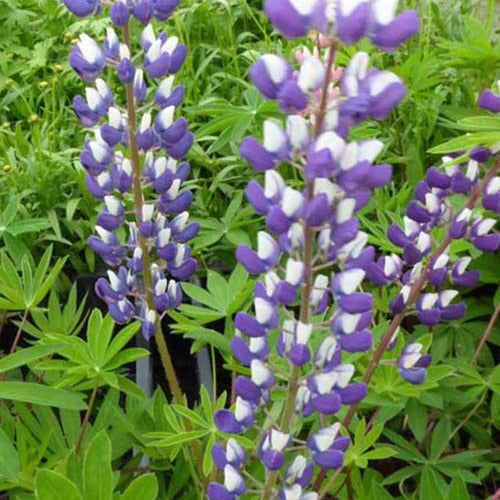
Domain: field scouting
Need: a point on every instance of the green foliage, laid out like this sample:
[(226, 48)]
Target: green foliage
[(41, 395), (434, 441), (97, 361), (24, 289), (219, 301)]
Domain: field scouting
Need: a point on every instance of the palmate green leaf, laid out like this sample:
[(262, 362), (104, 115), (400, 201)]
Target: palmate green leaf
[(7, 305), (218, 287), (93, 330), (208, 461), (15, 246), (65, 320), (440, 437), (192, 416), (28, 226), (417, 418), (233, 209), (205, 336), (99, 334), (494, 380), (370, 439), (38, 394), (142, 487), (211, 232), (27, 355), (121, 339), (403, 474), (10, 286), (27, 277), (97, 471), (50, 485), (481, 122), (206, 404), (201, 314), (237, 281), (130, 388), (127, 356), (202, 296), (380, 453), (9, 214), (9, 459), (458, 490), (168, 439), (431, 485), (406, 451), (466, 142), (180, 477), (238, 237), (45, 282)]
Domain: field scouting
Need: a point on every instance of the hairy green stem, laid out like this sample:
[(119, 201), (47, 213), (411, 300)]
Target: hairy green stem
[(19, 332), (86, 418), (138, 204), (486, 335)]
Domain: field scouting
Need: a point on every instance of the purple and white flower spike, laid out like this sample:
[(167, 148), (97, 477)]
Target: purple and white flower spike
[(432, 209), (313, 260), (156, 253)]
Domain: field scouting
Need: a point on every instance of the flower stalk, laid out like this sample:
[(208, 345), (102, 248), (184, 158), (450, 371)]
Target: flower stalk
[(165, 357), (305, 307)]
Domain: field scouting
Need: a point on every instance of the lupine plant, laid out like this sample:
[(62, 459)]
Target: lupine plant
[(134, 166), (313, 262), (133, 160), (335, 342)]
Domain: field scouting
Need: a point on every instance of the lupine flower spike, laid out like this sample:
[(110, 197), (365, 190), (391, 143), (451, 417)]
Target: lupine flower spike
[(154, 257), (313, 252)]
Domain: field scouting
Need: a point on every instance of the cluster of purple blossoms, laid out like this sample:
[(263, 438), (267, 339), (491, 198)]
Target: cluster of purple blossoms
[(313, 258), (159, 230), (123, 10), (430, 209), (348, 20)]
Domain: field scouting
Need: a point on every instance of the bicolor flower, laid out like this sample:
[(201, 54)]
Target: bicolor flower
[(234, 486), (271, 449), (482, 237), (82, 8), (236, 423), (87, 59), (269, 74), (388, 30), (327, 447), (120, 13), (412, 365), (292, 18), (460, 276), (264, 259), (490, 101), (275, 147), (491, 195), (233, 455)]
